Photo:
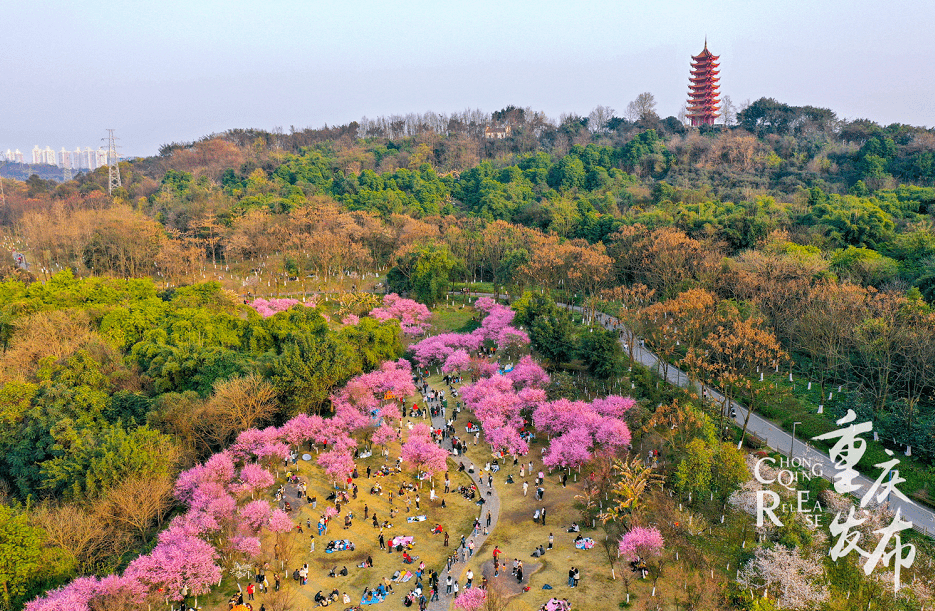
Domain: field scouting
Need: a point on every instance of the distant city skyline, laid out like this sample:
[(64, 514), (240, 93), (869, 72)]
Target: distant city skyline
[(78, 159), (176, 71)]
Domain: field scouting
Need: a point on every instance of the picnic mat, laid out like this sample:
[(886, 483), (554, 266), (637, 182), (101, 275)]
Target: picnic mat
[(586, 543), (401, 540)]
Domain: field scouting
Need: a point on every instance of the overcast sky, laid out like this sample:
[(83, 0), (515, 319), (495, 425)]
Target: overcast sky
[(160, 71)]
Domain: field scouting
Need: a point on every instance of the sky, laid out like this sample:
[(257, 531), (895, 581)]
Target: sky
[(162, 71)]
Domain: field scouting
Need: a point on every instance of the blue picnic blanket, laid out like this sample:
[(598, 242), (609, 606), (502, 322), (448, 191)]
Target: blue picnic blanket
[(411, 519)]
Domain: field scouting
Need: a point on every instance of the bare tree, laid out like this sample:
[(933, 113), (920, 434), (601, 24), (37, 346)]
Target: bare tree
[(237, 405), (597, 120), (642, 108), (728, 110), (139, 502)]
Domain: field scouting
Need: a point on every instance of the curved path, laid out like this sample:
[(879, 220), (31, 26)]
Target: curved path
[(922, 518), (492, 505), (776, 438)]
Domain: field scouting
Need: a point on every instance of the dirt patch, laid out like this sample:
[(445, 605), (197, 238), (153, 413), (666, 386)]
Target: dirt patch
[(507, 582)]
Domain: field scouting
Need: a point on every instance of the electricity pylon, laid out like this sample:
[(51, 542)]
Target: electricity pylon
[(112, 166)]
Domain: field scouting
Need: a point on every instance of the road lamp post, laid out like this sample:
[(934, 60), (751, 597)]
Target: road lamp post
[(792, 445)]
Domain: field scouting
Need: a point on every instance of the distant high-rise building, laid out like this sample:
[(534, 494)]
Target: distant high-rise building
[(703, 99), (78, 159), (64, 158)]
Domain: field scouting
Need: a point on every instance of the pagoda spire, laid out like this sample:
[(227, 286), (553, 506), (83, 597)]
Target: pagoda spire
[(703, 101)]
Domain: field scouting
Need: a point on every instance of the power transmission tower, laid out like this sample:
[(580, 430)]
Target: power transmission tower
[(112, 165)]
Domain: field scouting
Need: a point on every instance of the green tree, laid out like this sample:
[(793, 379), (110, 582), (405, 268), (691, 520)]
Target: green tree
[(601, 353), (693, 475), (551, 332), (430, 274), (424, 271), (21, 554), (90, 462)]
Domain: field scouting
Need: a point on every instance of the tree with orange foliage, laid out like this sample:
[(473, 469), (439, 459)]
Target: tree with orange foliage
[(731, 354), (632, 301), (546, 262), (829, 316), (588, 269), (668, 260)]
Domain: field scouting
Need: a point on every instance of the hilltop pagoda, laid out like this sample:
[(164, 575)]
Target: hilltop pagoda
[(703, 99)]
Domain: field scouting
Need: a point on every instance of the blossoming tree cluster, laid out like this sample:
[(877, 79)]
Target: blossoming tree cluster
[(226, 513), (420, 452), (220, 525), (452, 350), (413, 316), (503, 402), (267, 308)]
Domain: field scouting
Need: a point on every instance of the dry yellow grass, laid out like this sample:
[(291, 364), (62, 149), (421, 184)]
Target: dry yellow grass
[(516, 535)]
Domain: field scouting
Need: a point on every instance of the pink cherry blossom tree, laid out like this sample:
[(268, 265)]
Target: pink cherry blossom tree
[(255, 514), (282, 526), (472, 599), (251, 547), (511, 341), (218, 470), (112, 592), (304, 428), (528, 373), (271, 307), (572, 449), (613, 405), (337, 464), (437, 348), (280, 522), (595, 425), (179, 564), (506, 438), (421, 453), (496, 327), (253, 479), (459, 360), (260, 444), (372, 396), (384, 435), (645, 543), (413, 316)]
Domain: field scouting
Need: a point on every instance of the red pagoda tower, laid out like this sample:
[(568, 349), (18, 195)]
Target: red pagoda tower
[(702, 99)]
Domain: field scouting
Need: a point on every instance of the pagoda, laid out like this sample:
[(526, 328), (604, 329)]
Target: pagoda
[(702, 97)]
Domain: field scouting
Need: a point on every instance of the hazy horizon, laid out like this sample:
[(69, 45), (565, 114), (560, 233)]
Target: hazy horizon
[(178, 71)]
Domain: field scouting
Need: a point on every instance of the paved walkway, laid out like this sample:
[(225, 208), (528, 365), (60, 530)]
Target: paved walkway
[(922, 519), (492, 505)]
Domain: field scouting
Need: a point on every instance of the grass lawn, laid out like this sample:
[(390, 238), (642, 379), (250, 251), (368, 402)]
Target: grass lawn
[(709, 551), (789, 402), (453, 317), (456, 519)]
